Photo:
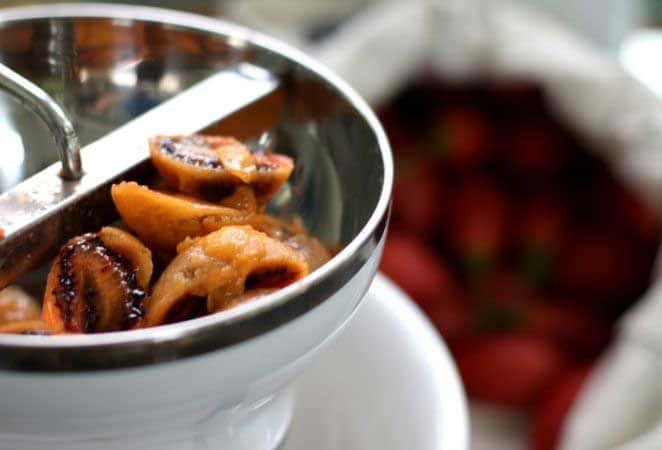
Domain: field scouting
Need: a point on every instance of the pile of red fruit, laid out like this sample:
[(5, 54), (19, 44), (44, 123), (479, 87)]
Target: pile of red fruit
[(515, 238)]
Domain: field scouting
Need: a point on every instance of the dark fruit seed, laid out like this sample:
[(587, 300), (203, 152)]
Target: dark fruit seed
[(180, 153)]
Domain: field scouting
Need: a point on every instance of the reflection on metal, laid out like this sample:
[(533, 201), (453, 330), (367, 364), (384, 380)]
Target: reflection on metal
[(13, 154), (51, 113)]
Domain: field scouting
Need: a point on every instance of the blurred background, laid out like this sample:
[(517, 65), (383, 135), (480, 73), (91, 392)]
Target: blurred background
[(513, 234), (606, 22)]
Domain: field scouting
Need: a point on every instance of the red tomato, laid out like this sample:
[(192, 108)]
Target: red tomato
[(479, 220), (502, 302), (463, 136), (509, 305), (551, 412), (424, 276), (600, 265), (632, 211), (534, 150), (542, 224), (507, 287), (574, 330), (418, 202), (452, 317), (509, 369)]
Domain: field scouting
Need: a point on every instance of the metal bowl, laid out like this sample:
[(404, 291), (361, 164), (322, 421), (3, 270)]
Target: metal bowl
[(107, 64)]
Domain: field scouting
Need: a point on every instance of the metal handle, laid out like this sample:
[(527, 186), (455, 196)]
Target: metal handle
[(42, 104)]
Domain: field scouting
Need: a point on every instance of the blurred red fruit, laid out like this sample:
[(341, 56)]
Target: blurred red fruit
[(479, 221), (601, 265), (534, 150), (551, 412), (502, 302), (538, 266), (576, 332), (540, 231), (635, 214), (509, 369), (452, 317), (507, 287), (509, 305), (542, 224), (463, 137), (424, 276), (418, 202)]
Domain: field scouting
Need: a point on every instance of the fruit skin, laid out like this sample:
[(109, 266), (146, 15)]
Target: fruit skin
[(163, 220), (221, 266), (424, 276), (509, 369), (534, 150), (550, 414), (418, 202), (539, 232), (479, 223), (97, 283), (637, 216), (577, 332), (131, 248), (601, 266), (508, 304), (542, 223), (211, 167), (462, 137), (633, 216)]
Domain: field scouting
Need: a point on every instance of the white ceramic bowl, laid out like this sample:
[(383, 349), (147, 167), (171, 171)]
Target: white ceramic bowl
[(220, 381)]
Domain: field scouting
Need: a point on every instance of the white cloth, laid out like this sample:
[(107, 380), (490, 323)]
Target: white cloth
[(621, 407)]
